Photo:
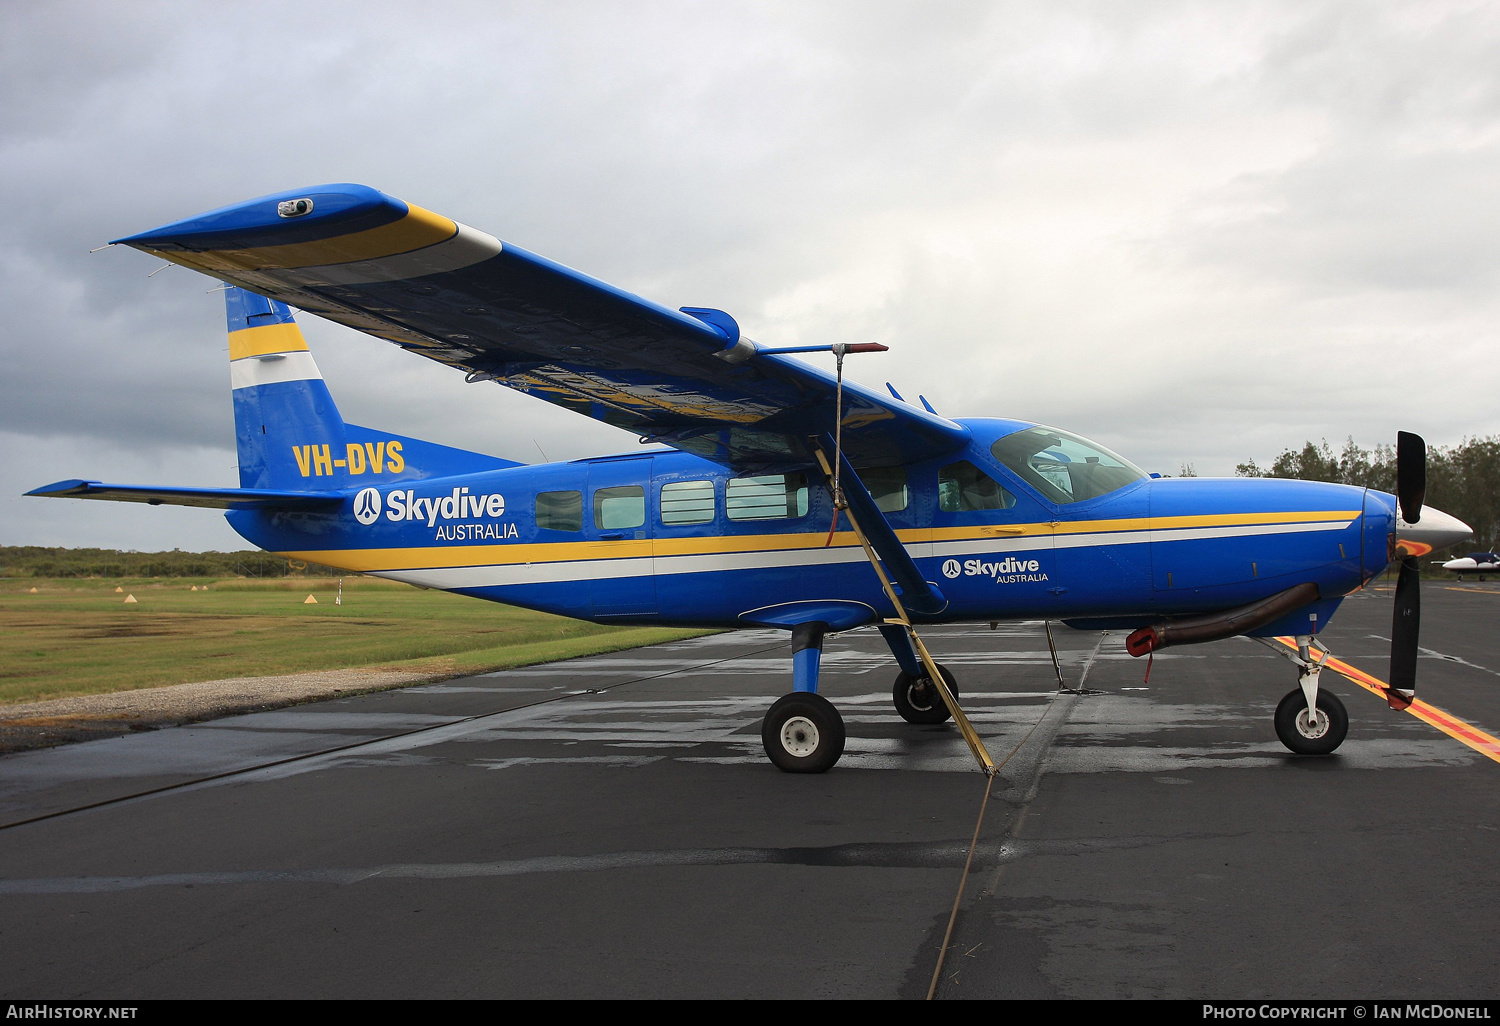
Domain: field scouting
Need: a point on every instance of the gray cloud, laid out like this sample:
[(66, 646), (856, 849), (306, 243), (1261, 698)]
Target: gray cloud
[(1197, 231)]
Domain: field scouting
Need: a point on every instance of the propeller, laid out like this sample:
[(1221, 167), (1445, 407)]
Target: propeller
[(1406, 620)]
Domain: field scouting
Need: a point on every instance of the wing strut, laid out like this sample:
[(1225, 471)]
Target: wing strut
[(862, 500)]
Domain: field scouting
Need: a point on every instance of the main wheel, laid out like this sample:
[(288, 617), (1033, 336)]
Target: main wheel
[(1305, 735), (918, 699), (803, 733)]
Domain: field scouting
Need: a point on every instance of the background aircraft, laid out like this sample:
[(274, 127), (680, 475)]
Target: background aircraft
[(788, 498), (1480, 563)]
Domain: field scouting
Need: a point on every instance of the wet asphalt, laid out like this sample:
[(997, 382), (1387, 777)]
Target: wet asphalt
[(609, 827)]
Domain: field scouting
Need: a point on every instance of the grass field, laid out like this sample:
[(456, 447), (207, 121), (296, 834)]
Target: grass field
[(78, 637)]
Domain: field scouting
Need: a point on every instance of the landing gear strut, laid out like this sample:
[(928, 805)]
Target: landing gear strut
[(1309, 721), (803, 732)]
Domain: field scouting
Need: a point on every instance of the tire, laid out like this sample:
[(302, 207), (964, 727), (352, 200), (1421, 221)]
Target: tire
[(918, 701), (803, 733), (1292, 723)]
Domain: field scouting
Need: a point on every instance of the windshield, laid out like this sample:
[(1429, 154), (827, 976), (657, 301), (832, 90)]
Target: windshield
[(1063, 466)]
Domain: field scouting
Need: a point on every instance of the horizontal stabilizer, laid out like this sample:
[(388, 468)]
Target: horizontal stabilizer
[(211, 498)]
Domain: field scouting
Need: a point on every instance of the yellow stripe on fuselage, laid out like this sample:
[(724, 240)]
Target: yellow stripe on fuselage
[(443, 556), (1210, 520), (417, 230), (265, 340)]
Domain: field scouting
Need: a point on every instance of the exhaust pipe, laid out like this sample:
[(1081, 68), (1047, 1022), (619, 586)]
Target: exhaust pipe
[(1198, 629)]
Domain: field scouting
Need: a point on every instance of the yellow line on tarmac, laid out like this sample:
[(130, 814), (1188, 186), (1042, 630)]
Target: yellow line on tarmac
[(1477, 591), (1430, 714)]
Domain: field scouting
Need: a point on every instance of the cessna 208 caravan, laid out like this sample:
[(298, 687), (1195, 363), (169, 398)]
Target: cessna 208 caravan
[(788, 498)]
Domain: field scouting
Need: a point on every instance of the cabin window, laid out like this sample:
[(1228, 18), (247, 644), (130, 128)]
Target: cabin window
[(887, 486), (687, 502), (1064, 467), (770, 497), (559, 511), (620, 507), (964, 488)]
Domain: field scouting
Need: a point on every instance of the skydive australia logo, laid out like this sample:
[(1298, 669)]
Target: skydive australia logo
[(403, 504), (1010, 570)]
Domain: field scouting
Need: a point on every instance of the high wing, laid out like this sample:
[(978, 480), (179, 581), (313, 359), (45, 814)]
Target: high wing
[(211, 498), (686, 378)]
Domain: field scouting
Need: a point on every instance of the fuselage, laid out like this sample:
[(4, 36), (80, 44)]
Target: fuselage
[(667, 537)]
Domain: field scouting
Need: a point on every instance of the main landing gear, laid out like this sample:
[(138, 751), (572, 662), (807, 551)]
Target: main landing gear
[(1309, 721), (917, 699), (804, 733)]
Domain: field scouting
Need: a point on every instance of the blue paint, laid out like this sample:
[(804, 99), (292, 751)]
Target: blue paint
[(901, 647), (337, 210), (247, 309), (805, 666), (718, 320), (453, 517), (838, 615)]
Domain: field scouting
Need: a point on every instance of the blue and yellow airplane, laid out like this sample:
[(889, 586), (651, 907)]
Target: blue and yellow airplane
[(786, 498)]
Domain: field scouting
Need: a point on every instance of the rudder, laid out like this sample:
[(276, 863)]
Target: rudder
[(282, 407)]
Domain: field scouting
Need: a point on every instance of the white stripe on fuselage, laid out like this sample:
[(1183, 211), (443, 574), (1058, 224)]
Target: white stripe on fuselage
[(562, 571)]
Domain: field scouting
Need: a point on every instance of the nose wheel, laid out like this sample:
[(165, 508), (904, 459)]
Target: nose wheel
[(917, 698), (803, 733), (1306, 734)]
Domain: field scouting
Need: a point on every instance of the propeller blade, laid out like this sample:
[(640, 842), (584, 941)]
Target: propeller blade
[(1406, 624), (1411, 475)]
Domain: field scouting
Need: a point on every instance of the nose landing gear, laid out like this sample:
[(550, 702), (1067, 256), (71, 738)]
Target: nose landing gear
[(1309, 721), (1306, 734)]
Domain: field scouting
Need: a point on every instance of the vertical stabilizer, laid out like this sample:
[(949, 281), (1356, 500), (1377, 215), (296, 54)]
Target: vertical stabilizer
[(287, 428)]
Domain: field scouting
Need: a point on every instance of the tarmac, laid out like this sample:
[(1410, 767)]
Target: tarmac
[(609, 827)]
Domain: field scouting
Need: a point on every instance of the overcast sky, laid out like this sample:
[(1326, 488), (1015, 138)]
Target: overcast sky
[(1198, 232)]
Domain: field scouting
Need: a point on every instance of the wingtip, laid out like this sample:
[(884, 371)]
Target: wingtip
[(57, 488)]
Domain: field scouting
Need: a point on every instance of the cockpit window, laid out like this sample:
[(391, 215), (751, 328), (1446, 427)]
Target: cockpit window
[(1064, 467), (964, 488)]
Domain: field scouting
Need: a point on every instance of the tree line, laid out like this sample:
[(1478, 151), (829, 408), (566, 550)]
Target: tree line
[(45, 561), (1462, 479)]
